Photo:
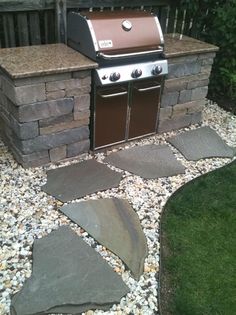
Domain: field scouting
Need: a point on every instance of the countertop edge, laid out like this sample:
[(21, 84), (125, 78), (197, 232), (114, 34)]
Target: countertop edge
[(193, 52), (177, 38), (48, 72)]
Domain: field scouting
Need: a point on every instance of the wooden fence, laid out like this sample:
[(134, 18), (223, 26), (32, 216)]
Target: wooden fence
[(33, 22)]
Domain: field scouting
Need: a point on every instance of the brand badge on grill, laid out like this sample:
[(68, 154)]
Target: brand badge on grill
[(106, 43)]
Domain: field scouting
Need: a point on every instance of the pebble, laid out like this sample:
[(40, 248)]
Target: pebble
[(27, 213)]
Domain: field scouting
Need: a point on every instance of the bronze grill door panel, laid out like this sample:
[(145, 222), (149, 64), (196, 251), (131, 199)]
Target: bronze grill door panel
[(144, 109), (110, 115)]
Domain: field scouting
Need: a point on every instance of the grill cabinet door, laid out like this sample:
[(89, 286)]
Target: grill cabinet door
[(110, 115), (144, 108)]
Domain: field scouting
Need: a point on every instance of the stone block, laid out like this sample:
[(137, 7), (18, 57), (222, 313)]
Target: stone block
[(185, 96), (81, 74), (174, 124), (62, 126), (184, 59), (5, 116), (55, 120), (42, 79), (207, 61), (82, 115), (3, 99), (169, 99), (26, 130), (199, 93), (8, 88), (29, 94), (41, 110), (47, 142), (198, 83), (68, 84), (58, 153), (78, 91), (86, 81), (180, 109), (165, 112), (77, 148), (62, 85), (12, 108), (25, 94), (173, 85), (82, 103), (206, 69), (195, 106), (30, 160), (196, 118), (181, 70), (54, 95), (210, 55)]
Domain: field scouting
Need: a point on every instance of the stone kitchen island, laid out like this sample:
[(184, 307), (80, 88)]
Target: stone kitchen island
[(186, 86), (45, 96), (44, 102)]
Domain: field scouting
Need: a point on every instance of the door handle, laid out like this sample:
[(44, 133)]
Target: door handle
[(113, 95), (140, 53), (148, 88)]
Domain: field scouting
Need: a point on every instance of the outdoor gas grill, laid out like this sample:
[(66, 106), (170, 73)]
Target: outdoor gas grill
[(128, 46)]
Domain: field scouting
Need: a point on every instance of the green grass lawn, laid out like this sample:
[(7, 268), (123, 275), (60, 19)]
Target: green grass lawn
[(198, 247)]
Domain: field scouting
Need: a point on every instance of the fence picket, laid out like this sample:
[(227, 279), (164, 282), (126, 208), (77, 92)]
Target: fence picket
[(171, 19), (61, 13), (49, 27), (187, 23), (9, 30), (180, 21), (163, 18), (22, 28), (35, 36)]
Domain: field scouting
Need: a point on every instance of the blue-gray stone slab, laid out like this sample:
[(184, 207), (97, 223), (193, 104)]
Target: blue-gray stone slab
[(148, 161), (201, 143), (68, 277), (81, 179), (114, 224)]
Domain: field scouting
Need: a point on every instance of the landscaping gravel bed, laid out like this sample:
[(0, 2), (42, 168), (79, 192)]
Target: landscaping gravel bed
[(28, 213)]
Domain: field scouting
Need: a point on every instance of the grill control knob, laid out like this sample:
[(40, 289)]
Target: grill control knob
[(136, 73), (157, 70), (115, 76)]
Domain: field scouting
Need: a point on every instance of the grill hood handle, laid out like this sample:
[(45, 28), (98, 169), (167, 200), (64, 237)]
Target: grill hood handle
[(140, 53)]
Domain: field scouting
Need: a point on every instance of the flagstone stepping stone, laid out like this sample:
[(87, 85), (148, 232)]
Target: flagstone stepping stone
[(114, 224), (81, 179), (148, 161), (68, 276), (201, 143)]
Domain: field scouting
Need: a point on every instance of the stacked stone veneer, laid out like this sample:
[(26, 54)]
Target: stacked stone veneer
[(184, 91), (45, 119)]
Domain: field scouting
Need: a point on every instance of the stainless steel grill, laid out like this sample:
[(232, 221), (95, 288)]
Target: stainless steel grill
[(128, 46)]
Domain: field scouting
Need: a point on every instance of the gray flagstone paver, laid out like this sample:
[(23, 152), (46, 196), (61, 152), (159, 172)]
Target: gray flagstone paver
[(81, 179), (148, 161), (114, 224), (67, 275), (201, 143)]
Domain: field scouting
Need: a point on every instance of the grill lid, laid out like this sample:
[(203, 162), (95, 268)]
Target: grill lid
[(115, 34)]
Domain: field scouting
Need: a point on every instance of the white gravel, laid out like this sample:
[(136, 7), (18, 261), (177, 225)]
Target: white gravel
[(28, 213)]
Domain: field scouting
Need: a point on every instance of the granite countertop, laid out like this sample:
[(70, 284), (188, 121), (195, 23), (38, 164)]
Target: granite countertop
[(177, 45), (29, 61)]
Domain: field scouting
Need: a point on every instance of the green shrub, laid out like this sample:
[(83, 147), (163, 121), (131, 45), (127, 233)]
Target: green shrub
[(215, 22)]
